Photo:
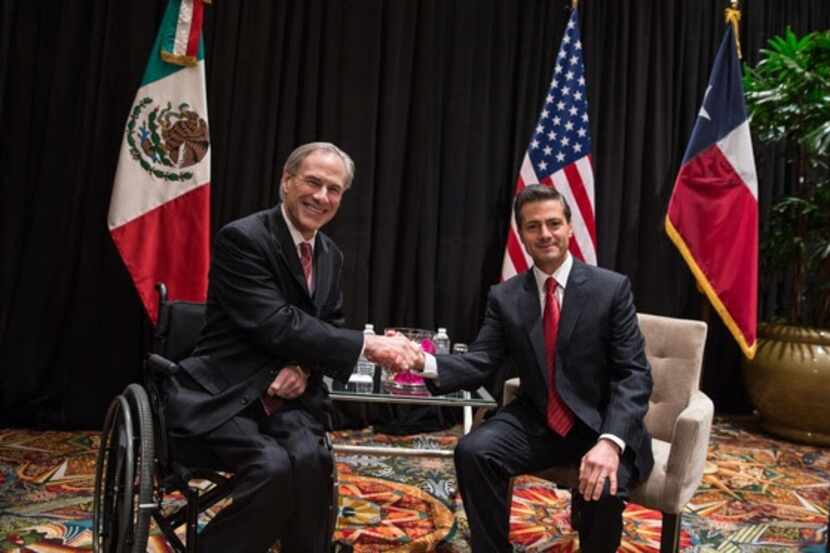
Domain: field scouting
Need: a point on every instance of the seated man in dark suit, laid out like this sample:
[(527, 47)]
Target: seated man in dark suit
[(250, 400), (585, 384)]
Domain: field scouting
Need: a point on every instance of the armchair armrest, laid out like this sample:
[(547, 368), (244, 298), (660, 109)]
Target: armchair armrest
[(689, 446), (510, 390)]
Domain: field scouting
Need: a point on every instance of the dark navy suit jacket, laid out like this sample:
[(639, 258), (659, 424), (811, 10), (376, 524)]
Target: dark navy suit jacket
[(601, 369), (260, 317)]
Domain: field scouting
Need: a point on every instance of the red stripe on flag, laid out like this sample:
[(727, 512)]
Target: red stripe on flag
[(716, 216), (195, 29), (169, 244), (516, 251), (583, 203)]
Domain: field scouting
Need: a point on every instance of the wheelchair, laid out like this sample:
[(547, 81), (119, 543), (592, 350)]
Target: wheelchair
[(135, 474)]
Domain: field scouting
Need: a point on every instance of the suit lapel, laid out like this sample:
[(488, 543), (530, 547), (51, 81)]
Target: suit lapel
[(287, 250), (572, 304), (531, 311), (322, 272)]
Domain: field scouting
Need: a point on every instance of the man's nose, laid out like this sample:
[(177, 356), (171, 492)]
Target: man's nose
[(321, 194)]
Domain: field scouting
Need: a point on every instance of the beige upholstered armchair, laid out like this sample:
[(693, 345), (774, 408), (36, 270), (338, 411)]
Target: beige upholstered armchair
[(679, 419)]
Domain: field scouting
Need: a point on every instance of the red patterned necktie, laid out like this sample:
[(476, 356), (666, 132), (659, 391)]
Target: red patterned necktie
[(560, 417), (305, 259)]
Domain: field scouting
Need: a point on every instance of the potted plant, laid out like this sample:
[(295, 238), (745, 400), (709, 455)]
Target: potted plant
[(788, 100)]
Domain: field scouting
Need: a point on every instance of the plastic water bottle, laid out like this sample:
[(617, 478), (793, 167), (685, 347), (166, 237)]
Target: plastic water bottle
[(441, 341), (363, 376)]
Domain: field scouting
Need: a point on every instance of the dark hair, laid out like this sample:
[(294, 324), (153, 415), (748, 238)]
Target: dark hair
[(538, 193)]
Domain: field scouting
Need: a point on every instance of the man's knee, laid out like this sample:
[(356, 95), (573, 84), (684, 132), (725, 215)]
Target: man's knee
[(272, 467), (471, 449)]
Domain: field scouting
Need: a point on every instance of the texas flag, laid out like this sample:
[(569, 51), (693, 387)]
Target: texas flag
[(713, 212), (159, 214)]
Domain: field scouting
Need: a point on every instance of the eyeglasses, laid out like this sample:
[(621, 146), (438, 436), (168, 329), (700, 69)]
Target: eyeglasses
[(332, 189)]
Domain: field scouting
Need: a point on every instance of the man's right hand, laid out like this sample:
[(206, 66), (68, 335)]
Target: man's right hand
[(394, 351)]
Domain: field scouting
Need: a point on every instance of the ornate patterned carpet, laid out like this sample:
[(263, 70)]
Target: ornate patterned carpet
[(759, 495)]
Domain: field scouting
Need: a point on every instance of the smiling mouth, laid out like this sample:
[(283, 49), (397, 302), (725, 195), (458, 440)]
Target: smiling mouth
[(314, 209)]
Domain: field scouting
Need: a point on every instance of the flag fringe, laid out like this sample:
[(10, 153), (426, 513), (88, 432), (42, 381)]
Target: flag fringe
[(179, 59), (747, 349)]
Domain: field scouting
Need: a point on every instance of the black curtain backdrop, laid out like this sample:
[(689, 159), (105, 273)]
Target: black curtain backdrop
[(434, 99)]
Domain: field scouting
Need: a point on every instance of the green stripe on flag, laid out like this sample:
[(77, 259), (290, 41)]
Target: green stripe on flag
[(157, 68)]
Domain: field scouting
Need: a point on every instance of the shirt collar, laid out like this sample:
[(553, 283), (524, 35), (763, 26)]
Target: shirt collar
[(296, 236), (560, 275)]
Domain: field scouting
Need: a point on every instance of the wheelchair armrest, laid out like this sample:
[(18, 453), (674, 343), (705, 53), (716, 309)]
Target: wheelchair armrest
[(160, 366)]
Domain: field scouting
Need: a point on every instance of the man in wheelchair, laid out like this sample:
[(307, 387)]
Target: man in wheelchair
[(250, 398)]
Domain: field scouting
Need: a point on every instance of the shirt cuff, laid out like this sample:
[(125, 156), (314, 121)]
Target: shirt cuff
[(614, 439), (430, 369)]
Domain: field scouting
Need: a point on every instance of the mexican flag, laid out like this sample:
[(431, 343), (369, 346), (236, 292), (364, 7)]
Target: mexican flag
[(159, 214)]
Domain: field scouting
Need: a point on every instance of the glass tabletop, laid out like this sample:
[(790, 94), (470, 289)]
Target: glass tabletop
[(343, 391)]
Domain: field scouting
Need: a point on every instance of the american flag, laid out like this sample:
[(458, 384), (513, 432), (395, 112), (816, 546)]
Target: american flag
[(559, 154)]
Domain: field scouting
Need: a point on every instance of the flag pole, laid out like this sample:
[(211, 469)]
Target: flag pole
[(574, 4), (732, 15)]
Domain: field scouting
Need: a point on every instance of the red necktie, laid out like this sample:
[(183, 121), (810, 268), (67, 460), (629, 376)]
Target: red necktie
[(305, 259), (560, 417)]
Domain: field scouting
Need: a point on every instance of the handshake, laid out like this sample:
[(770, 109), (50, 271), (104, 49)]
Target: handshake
[(394, 351)]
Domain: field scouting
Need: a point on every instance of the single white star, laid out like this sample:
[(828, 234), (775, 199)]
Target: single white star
[(569, 75), (703, 113), (553, 84), (566, 90), (566, 39), (561, 105), (543, 165), (556, 120), (569, 126), (560, 157), (574, 60), (579, 45), (534, 144), (581, 81), (577, 95), (545, 114), (570, 24), (540, 129), (548, 150), (565, 141), (573, 110), (585, 117), (577, 147), (548, 99), (581, 132), (558, 69), (552, 135)]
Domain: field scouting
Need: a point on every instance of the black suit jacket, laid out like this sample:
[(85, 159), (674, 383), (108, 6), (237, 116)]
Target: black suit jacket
[(601, 369), (260, 317)]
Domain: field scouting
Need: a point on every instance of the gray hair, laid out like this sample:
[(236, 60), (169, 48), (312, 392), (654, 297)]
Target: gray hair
[(295, 159)]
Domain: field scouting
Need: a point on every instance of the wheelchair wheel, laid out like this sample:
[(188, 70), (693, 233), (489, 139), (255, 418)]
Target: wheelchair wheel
[(124, 476)]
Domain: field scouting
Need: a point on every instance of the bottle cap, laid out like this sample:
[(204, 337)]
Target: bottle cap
[(369, 326), (442, 329)]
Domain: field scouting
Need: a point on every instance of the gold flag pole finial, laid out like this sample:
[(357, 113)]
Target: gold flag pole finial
[(732, 15), (574, 4)]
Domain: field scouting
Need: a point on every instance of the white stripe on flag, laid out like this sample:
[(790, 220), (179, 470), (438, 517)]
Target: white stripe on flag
[(586, 172), (737, 147), (183, 27), (527, 172)]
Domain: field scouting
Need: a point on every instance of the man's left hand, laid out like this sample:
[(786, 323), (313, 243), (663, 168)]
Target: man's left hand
[(289, 383), (599, 464)]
